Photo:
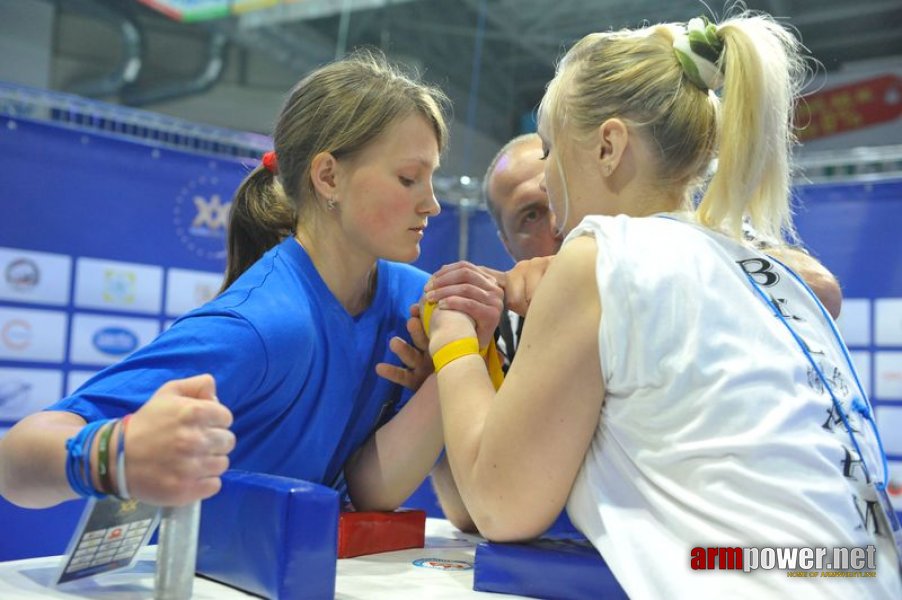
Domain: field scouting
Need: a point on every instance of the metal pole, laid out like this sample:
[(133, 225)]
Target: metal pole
[(341, 44), (177, 552), (463, 239)]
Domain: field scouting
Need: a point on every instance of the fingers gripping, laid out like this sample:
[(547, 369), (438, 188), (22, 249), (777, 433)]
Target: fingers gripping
[(178, 443)]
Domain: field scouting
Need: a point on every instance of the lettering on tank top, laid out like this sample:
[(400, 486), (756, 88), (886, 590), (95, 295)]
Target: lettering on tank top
[(852, 465)]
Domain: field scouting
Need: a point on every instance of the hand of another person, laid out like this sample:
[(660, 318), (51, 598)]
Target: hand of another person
[(464, 287), (414, 356), (177, 444), (521, 281)]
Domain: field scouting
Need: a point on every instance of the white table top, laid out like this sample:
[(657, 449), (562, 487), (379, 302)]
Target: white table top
[(391, 575)]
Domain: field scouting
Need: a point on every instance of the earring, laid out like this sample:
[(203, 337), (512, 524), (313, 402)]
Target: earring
[(330, 203), (607, 170)]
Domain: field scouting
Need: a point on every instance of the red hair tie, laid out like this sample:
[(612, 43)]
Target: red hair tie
[(271, 162)]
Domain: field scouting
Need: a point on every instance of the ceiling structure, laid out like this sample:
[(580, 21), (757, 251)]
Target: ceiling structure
[(514, 43), (494, 57)]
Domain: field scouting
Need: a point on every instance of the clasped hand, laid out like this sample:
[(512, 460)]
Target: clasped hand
[(177, 444), (470, 300)]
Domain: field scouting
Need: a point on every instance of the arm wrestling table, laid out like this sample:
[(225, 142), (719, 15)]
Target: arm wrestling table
[(441, 570)]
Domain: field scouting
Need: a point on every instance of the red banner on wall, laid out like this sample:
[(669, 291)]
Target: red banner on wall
[(848, 107)]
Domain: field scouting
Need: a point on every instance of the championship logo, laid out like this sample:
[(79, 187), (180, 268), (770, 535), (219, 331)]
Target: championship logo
[(443, 564), (201, 216)]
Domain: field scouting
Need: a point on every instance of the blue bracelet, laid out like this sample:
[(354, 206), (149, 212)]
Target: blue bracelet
[(78, 460)]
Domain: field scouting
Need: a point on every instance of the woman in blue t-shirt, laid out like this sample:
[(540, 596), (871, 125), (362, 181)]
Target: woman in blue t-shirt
[(278, 373)]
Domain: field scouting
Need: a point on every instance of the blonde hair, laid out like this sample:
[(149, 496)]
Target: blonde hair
[(635, 75), (339, 108)]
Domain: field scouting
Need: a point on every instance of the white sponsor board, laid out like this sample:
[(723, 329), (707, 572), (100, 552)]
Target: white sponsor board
[(25, 391), (32, 335), (122, 286), (104, 340), (888, 375), (34, 277), (186, 290), (76, 379), (895, 483), (855, 321), (888, 321), (889, 423), (862, 362)]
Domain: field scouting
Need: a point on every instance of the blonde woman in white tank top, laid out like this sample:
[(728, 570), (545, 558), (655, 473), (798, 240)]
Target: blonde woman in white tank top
[(674, 387)]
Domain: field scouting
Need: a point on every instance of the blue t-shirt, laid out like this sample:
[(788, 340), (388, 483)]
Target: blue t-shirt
[(296, 370)]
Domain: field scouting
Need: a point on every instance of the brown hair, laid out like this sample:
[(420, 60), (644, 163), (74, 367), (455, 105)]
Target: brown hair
[(339, 108)]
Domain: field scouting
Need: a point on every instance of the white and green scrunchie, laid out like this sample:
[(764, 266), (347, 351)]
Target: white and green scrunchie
[(699, 50)]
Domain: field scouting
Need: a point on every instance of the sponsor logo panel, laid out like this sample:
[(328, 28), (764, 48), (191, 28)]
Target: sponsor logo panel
[(855, 321), (103, 340), (76, 379), (888, 321), (123, 286), (894, 487), (888, 374), (25, 391), (186, 290), (34, 277), (862, 362), (889, 422), (32, 335)]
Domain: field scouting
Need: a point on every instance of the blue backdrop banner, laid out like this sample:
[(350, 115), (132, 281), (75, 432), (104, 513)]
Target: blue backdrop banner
[(103, 241)]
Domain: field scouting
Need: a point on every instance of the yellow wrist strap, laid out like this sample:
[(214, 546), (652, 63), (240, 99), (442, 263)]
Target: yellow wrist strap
[(493, 363), (454, 350), (489, 353), (428, 307)]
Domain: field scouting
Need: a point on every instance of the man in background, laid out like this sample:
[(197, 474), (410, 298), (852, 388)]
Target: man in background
[(525, 223), (513, 192), (526, 226)]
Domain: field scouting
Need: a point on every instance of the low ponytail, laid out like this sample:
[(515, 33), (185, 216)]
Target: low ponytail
[(260, 218)]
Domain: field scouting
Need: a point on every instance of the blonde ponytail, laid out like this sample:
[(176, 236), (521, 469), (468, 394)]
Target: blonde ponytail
[(762, 76), (659, 80)]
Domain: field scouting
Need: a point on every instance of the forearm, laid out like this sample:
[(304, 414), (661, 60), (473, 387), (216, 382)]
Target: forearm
[(821, 281), (397, 457), (466, 393), (33, 459), (449, 497)]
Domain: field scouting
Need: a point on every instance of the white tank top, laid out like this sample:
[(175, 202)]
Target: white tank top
[(715, 429)]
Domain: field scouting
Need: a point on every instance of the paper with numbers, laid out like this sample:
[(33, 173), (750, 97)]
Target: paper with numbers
[(108, 537)]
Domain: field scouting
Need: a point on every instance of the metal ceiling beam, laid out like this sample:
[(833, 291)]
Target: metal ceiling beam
[(129, 66), (300, 50), (451, 30), (307, 10), (507, 26), (538, 17), (820, 16), (854, 39)]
